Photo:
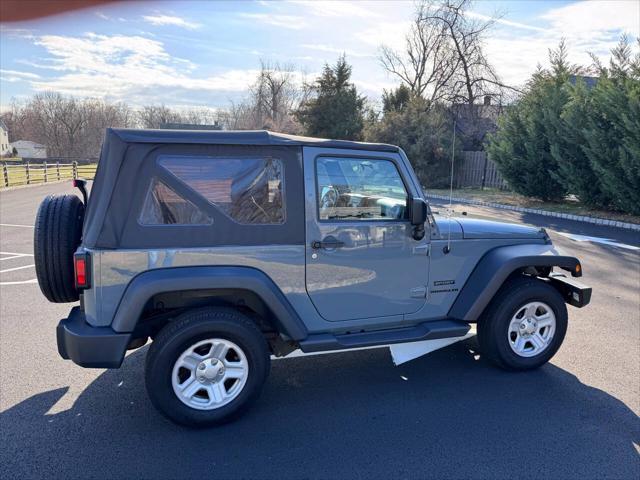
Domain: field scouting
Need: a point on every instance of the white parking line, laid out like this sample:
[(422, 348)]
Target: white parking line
[(35, 280), (17, 254), (14, 225), (605, 241), (16, 268), (12, 257)]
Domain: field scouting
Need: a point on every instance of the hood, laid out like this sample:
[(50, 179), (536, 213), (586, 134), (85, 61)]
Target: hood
[(474, 228), (448, 226)]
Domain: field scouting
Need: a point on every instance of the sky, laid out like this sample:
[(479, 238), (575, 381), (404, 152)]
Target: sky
[(206, 53)]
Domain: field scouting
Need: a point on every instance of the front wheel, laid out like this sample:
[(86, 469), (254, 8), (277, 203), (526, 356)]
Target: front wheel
[(524, 325), (206, 367)]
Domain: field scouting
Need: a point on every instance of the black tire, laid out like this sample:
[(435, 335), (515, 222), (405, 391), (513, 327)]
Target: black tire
[(58, 232), (493, 326), (185, 331)]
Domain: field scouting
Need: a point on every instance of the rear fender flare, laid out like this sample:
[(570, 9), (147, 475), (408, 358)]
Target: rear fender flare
[(495, 267), (165, 280)]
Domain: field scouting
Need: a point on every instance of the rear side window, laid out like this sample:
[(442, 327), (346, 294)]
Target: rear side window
[(163, 206), (248, 190)]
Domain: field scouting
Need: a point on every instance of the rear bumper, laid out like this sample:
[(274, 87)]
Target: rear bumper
[(87, 346)]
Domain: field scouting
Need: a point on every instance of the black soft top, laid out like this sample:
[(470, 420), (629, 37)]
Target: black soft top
[(241, 137), (128, 162)]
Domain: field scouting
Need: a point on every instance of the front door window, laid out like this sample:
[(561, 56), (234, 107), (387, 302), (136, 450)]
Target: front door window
[(360, 189)]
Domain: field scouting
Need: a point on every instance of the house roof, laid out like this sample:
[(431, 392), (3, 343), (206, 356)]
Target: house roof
[(241, 137), (589, 81)]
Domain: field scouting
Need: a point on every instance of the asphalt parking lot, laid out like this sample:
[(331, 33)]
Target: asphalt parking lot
[(348, 415)]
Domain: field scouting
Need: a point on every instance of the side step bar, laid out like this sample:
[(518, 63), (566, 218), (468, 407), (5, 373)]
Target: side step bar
[(424, 331)]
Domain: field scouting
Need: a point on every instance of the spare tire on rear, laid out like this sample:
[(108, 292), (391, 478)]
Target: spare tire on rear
[(58, 231)]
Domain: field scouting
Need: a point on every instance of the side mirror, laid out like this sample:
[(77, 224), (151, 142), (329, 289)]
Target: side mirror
[(418, 211), (418, 215)]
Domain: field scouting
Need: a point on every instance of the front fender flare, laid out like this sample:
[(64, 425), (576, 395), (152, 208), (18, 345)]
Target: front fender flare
[(495, 267), (164, 280)]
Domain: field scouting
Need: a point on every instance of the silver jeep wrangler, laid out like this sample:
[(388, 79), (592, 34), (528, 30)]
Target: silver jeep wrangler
[(227, 248)]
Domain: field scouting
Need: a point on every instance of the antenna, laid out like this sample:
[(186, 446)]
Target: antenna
[(447, 249)]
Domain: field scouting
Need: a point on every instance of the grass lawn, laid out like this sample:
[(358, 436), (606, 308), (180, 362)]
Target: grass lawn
[(569, 205)]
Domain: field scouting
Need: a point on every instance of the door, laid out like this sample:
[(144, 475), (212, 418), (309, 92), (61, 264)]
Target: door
[(361, 258)]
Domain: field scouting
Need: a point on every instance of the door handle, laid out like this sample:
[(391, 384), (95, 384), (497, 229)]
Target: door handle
[(328, 242)]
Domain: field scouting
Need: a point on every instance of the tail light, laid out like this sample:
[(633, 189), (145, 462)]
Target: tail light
[(82, 269)]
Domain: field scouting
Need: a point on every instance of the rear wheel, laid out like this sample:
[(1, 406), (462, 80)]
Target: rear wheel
[(524, 325), (57, 234), (207, 367)]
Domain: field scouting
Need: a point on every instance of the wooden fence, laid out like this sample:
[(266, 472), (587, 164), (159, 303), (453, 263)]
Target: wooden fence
[(475, 170), (14, 174)]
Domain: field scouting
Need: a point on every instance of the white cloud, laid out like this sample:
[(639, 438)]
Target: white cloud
[(389, 33), (343, 9), (508, 23), (586, 19), (330, 49), (162, 20), (292, 22), (374, 88), (16, 76), (124, 67)]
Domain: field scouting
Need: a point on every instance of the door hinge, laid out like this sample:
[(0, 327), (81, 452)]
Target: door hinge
[(418, 292)]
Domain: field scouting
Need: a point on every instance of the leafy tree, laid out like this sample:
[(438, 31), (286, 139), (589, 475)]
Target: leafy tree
[(334, 109), (425, 132)]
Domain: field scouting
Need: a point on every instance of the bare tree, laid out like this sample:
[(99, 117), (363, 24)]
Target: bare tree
[(427, 63), (241, 117), (204, 116), (275, 94), (155, 116), (272, 99), (474, 77), (67, 126), (99, 116), (444, 57)]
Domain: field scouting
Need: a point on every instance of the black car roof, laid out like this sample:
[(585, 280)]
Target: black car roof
[(241, 137)]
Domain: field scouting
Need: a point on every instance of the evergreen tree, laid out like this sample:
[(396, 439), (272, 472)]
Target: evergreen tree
[(574, 167), (612, 139), (336, 110), (529, 140), (565, 136), (522, 145), (396, 100)]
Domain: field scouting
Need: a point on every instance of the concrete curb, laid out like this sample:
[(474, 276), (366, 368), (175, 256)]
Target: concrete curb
[(546, 213)]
